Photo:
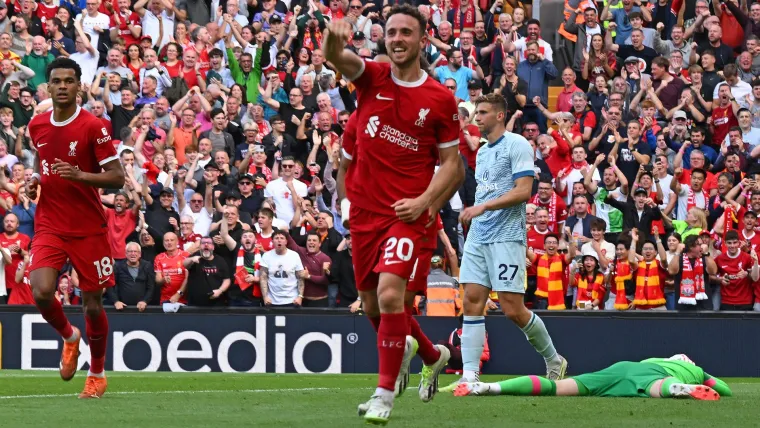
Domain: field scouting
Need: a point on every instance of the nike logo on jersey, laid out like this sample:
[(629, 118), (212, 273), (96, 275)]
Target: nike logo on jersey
[(392, 262), (380, 97), (41, 144), (103, 281)]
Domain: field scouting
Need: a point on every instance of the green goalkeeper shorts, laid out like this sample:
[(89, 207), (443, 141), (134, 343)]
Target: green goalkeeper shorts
[(623, 379)]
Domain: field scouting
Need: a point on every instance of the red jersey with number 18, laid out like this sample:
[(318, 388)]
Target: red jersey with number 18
[(66, 207), (399, 128)]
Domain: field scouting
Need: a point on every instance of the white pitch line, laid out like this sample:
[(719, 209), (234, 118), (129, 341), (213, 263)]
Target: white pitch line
[(189, 392)]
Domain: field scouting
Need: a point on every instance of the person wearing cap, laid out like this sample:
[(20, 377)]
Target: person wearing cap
[(160, 216), (644, 54), (232, 198), (250, 197), (639, 213), (5, 22), (455, 70), (475, 89), (268, 16), (587, 280)]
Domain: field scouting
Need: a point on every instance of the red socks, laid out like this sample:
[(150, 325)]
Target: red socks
[(54, 315), (391, 341), (426, 351), (97, 338)]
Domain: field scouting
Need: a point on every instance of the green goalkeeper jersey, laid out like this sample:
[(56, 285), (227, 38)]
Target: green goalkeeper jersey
[(685, 372)]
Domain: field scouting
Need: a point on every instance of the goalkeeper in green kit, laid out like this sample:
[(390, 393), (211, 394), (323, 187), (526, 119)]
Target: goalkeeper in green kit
[(674, 377)]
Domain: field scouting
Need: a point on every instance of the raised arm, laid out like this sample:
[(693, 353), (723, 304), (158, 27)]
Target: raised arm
[(346, 62)]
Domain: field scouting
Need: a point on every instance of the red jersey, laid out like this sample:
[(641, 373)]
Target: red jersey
[(119, 228), (557, 210), (46, 12), (186, 241), (464, 148), (22, 294), (431, 240), (23, 242), (348, 147), (66, 207), (400, 127), (738, 291), (124, 31), (753, 241), (723, 119), (266, 243), (536, 244), (172, 268)]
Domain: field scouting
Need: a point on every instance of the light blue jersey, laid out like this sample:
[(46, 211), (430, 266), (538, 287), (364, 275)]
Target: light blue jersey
[(498, 165)]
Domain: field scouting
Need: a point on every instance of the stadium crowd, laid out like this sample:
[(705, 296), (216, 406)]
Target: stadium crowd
[(229, 122)]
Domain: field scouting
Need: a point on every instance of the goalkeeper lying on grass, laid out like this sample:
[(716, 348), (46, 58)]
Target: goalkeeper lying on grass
[(674, 377)]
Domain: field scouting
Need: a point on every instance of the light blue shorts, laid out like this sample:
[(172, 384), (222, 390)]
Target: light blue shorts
[(499, 266)]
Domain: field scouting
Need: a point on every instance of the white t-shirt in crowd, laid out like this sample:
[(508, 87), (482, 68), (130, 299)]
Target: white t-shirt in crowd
[(575, 176), (151, 28), (3, 289), (102, 21), (279, 192), (282, 287), (202, 220), (88, 63), (699, 201)]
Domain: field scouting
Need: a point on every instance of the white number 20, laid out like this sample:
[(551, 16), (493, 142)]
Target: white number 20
[(403, 248), (104, 267)]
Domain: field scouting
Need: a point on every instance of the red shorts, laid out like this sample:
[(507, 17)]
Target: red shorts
[(382, 243), (90, 256), (418, 280)]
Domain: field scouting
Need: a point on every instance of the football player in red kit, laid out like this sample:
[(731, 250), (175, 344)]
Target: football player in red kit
[(405, 123), (74, 157)]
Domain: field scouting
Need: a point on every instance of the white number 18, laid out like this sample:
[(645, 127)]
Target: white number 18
[(104, 267)]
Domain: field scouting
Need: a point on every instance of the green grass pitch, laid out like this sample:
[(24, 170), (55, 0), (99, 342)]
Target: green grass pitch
[(146, 400)]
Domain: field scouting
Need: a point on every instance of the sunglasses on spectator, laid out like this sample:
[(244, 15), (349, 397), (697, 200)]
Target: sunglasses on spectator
[(343, 121), (353, 6), (196, 201), (245, 183), (186, 222), (451, 87), (562, 251), (288, 166)]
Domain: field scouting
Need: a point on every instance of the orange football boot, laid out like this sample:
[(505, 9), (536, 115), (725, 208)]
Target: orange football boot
[(94, 387), (705, 393), (70, 356)]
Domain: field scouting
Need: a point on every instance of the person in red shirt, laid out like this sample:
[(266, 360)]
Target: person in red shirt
[(74, 157), (555, 205), (17, 243), (171, 275), (265, 230), (723, 115), (193, 77), (121, 222), (748, 236), (555, 149), (125, 23), (735, 270), (23, 292)]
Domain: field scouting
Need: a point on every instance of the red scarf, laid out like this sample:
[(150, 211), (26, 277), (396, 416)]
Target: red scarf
[(691, 200), (552, 209), (241, 271), (729, 217), (574, 165), (692, 282), (648, 287), (469, 20), (587, 293), (312, 41), (471, 53), (549, 282), (621, 274)]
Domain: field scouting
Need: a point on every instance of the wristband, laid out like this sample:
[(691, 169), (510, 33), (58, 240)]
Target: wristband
[(741, 186), (345, 208), (300, 296)]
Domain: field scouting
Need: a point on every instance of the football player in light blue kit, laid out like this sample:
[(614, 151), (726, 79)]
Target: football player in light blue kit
[(494, 253)]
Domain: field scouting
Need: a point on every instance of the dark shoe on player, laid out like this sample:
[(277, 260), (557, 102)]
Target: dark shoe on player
[(70, 357), (94, 387)]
